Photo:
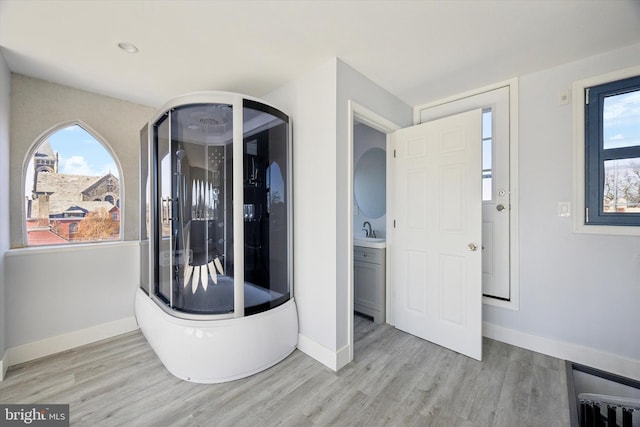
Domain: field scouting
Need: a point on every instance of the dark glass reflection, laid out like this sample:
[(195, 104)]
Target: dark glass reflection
[(197, 245), (265, 211)]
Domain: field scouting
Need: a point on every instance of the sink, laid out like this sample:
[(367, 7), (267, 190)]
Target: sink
[(369, 242), (369, 239)]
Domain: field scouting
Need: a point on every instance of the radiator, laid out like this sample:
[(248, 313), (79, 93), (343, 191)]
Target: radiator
[(608, 411)]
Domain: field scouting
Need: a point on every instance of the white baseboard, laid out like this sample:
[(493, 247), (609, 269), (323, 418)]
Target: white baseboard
[(333, 360), (4, 365), (49, 346), (598, 359), (342, 357)]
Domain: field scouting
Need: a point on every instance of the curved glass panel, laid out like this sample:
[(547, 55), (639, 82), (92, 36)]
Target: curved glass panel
[(266, 207)]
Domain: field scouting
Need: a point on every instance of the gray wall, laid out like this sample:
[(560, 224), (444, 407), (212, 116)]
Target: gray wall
[(38, 106), (5, 87), (59, 292), (310, 101), (55, 292), (353, 85), (576, 288), (568, 280), (317, 103)]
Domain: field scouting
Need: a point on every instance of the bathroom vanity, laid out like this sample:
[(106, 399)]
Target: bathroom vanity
[(369, 278)]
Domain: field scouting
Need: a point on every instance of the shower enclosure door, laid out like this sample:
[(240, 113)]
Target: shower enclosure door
[(194, 164)]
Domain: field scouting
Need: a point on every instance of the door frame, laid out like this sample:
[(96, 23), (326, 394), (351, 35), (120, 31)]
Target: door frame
[(374, 120), (514, 240)]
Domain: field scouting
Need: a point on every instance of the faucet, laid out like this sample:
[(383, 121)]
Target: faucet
[(368, 232)]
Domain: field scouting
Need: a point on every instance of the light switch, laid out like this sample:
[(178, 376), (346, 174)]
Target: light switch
[(564, 209), (564, 97)]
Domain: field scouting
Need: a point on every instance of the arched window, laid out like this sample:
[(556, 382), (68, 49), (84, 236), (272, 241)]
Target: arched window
[(68, 175)]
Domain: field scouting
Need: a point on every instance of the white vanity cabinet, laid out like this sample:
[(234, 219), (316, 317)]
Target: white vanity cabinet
[(369, 282)]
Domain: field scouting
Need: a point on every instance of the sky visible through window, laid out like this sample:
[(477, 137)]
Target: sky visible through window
[(621, 120), (621, 129), (80, 153)]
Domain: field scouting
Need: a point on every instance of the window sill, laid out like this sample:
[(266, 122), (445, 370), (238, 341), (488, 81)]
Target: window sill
[(607, 229), (68, 247)]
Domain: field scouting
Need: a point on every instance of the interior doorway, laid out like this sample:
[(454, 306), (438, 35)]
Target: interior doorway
[(363, 121), (499, 107), (369, 142)]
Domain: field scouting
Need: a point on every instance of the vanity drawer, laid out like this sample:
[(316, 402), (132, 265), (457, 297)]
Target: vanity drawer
[(372, 255)]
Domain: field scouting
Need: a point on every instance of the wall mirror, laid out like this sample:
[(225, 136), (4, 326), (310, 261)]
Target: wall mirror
[(370, 183)]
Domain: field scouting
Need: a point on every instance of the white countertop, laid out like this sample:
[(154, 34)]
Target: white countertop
[(369, 242)]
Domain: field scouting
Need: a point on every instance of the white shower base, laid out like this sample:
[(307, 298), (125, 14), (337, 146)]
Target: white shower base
[(215, 351)]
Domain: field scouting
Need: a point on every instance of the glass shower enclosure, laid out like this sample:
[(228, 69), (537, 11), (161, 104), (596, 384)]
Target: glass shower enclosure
[(215, 300), (218, 208)]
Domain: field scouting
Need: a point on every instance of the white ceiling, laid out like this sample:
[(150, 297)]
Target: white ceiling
[(418, 50)]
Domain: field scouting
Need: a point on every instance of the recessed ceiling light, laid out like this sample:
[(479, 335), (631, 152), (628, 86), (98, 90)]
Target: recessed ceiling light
[(128, 47)]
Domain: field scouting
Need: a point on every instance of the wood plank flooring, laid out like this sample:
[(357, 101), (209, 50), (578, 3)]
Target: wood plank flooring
[(395, 380)]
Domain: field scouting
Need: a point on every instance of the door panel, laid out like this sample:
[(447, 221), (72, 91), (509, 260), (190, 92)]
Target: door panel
[(416, 268), (439, 217), (452, 288)]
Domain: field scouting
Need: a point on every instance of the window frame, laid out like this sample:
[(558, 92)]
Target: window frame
[(26, 165), (596, 154), (580, 158)]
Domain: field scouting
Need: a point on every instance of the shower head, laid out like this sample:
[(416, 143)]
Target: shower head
[(180, 154)]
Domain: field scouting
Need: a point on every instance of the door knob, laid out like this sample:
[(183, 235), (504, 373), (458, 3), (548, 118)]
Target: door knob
[(500, 207), (472, 247)]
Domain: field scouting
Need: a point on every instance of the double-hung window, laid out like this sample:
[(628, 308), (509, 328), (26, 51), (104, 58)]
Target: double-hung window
[(612, 153)]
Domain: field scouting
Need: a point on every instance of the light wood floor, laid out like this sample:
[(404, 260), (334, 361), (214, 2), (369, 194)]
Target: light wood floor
[(395, 380)]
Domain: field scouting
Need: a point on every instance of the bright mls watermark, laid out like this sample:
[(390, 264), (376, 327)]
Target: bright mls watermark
[(34, 415)]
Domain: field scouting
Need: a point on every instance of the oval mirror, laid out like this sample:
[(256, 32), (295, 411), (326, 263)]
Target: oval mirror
[(370, 183)]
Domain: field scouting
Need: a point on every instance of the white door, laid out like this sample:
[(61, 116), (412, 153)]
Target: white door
[(436, 255), (496, 191)]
